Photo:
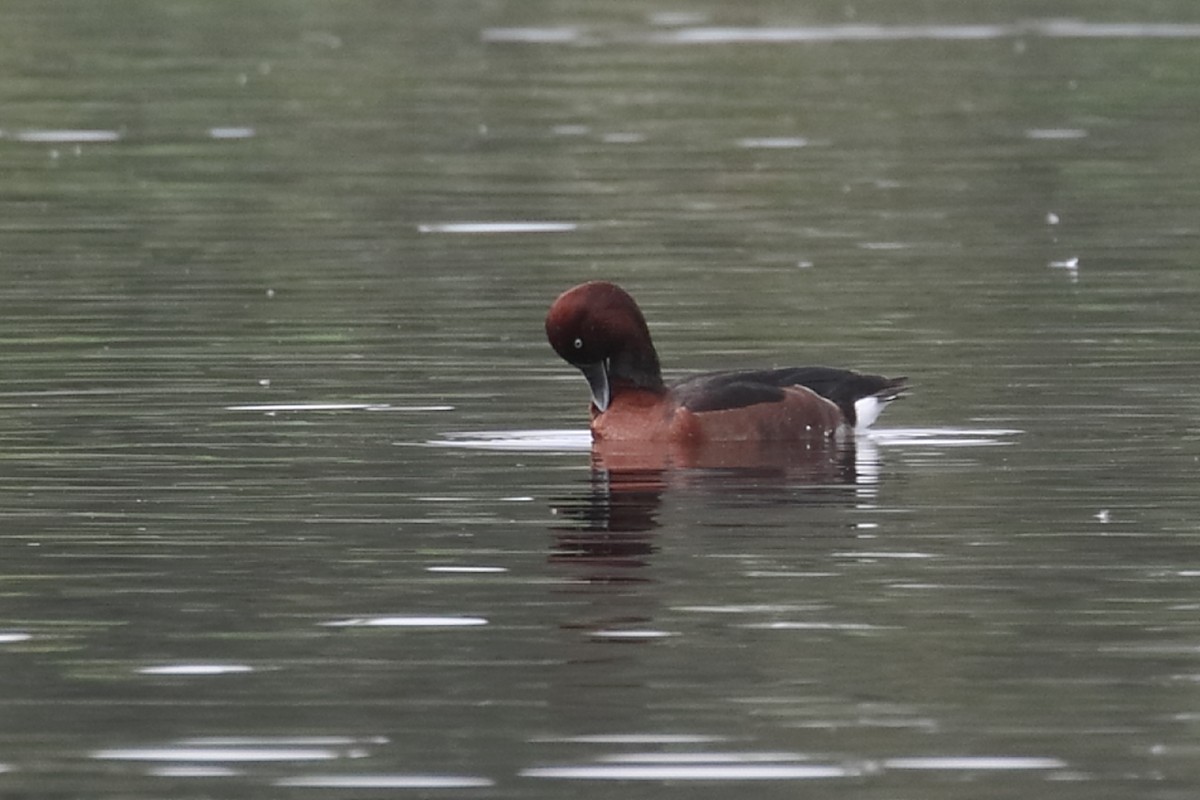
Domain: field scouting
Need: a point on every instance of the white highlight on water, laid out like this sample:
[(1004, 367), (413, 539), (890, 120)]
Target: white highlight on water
[(817, 626), (497, 227), (576, 440), (466, 569), (942, 437), (193, 771), (196, 669), (231, 133), (689, 772), (276, 407), (368, 781), (282, 741), (1056, 133), (773, 143), (699, 34), (67, 136), (531, 35), (406, 622), (231, 754), (631, 635), (1051, 29), (882, 554), (701, 757), (974, 763), (548, 440)]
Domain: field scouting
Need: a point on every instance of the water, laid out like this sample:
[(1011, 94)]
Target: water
[(298, 502)]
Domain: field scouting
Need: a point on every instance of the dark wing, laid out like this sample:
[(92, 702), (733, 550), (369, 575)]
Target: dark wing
[(844, 387), (719, 391)]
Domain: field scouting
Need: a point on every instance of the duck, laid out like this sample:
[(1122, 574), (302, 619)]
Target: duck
[(598, 328)]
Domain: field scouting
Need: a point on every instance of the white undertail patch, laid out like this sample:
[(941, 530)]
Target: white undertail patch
[(868, 409)]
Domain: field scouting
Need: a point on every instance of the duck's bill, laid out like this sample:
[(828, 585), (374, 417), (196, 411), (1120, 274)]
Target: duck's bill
[(597, 378)]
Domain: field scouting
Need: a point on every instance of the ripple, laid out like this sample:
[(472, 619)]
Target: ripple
[(690, 772), (974, 763), (818, 626), (385, 781), (67, 136), (196, 669), (701, 757), (406, 622), (830, 33), (773, 143), (549, 440), (753, 608), (231, 754), (1052, 29), (943, 437), (682, 33), (497, 227), (636, 738), (306, 741), (631, 635), (276, 407), (623, 137), (1056, 133), (209, 751), (740, 766), (576, 440), (193, 771), (883, 554), (531, 35), (467, 570), (231, 133)]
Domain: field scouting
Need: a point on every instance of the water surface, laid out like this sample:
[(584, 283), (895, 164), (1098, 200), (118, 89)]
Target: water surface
[(298, 502)]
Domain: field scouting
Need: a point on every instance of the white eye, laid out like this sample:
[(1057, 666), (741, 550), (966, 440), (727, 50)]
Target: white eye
[(579, 344)]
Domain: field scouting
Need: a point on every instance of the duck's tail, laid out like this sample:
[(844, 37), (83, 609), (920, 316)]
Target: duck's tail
[(868, 408)]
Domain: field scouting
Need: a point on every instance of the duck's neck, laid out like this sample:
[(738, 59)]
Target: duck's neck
[(637, 367)]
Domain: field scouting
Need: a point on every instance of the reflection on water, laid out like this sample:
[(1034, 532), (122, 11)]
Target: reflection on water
[(701, 766), (607, 535), (215, 757), (609, 531), (367, 781), (690, 34), (497, 227), (66, 136), (612, 527)]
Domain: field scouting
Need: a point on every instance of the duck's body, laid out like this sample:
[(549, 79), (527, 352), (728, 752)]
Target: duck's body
[(598, 328)]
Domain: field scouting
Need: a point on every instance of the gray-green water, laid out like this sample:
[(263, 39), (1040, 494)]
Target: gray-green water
[(296, 499)]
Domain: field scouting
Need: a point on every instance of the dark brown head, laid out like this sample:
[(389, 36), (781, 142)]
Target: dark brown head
[(598, 328)]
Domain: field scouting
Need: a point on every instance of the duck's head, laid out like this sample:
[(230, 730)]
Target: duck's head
[(598, 328)]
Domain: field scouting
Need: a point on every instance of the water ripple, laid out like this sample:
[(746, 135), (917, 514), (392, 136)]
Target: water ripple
[(497, 227), (854, 32), (369, 781), (406, 622), (548, 440), (690, 772)]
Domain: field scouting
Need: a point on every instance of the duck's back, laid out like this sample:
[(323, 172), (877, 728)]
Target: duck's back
[(856, 395)]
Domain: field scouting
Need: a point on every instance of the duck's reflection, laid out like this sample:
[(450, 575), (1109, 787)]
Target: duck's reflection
[(610, 529), (818, 461), (606, 537)]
